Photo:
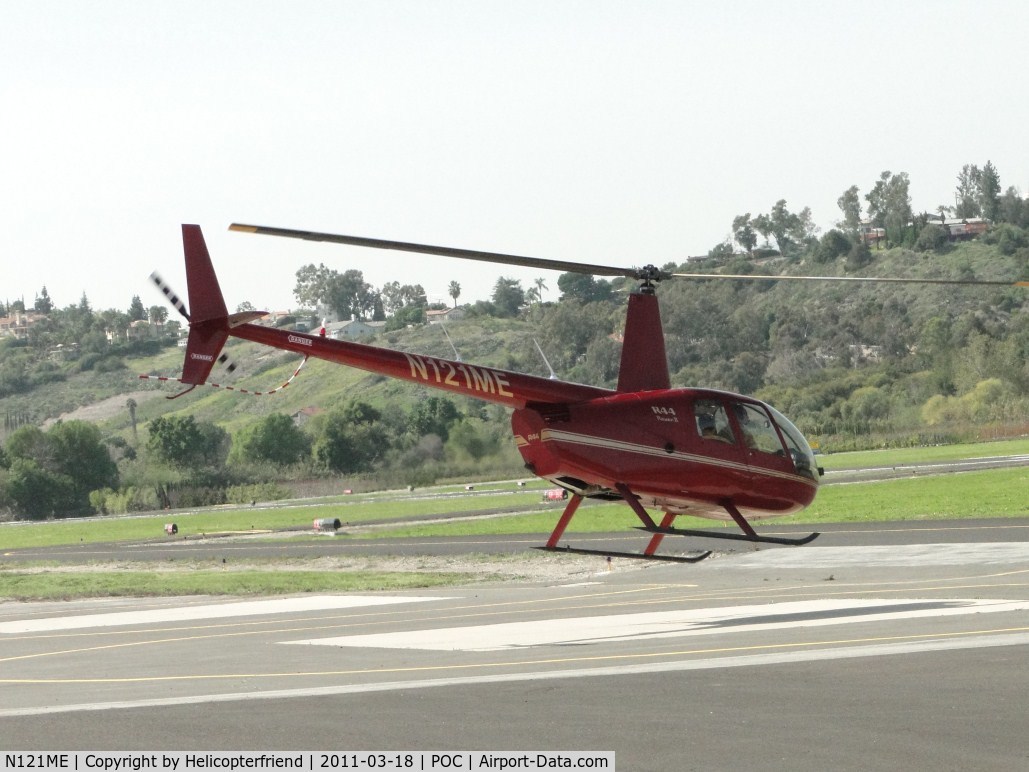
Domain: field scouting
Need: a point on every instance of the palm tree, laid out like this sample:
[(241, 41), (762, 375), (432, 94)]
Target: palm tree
[(454, 291), (130, 403), (541, 285), (158, 314)]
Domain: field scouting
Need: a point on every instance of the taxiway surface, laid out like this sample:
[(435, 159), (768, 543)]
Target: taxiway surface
[(880, 646)]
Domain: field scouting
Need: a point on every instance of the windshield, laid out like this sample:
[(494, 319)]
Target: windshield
[(800, 451)]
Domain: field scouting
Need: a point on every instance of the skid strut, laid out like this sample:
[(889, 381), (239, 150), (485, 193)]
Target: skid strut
[(566, 518), (649, 525), (749, 534)]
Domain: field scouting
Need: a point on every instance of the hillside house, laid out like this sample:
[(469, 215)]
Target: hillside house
[(18, 324), (353, 329), (438, 315)]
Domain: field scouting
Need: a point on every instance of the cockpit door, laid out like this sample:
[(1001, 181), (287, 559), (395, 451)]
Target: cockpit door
[(763, 444)]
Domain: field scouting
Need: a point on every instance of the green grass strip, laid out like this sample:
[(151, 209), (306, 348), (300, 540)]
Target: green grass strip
[(865, 459), (63, 585), (993, 493), (245, 520)]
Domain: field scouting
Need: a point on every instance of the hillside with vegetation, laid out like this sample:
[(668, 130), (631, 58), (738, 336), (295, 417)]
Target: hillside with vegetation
[(854, 365)]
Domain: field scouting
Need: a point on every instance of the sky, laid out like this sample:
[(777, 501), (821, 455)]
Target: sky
[(620, 133)]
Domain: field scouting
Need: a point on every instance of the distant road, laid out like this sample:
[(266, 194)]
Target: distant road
[(928, 469)]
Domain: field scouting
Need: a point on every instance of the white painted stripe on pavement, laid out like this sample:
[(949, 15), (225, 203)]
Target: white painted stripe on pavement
[(211, 611), (650, 626)]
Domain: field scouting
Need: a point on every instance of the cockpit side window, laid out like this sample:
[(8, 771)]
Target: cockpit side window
[(712, 421), (758, 431), (800, 451)]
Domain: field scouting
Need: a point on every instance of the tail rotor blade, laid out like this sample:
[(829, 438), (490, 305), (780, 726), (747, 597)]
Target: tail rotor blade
[(169, 293), (175, 300)]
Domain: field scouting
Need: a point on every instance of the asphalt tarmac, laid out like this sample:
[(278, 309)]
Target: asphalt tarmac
[(878, 646)]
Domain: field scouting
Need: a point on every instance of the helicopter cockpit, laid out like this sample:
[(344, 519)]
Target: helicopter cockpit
[(801, 453), (757, 432)]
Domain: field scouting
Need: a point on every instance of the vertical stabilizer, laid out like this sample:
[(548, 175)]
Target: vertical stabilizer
[(208, 318), (644, 365), (205, 296)]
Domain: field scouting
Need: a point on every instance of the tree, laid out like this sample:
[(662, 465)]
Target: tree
[(569, 327), (889, 204), (351, 439), (136, 310), (833, 244), (80, 454), (392, 300), (989, 192), (406, 316), (30, 442), (931, 238), (351, 297), (275, 438), (763, 225), (724, 250), (396, 296), (858, 257), (35, 492), (347, 294), (184, 442), (413, 295), (434, 415), (130, 403), (157, 314), (454, 290), (508, 297), (473, 439), (53, 473), (1013, 209), (378, 310), (967, 197), (785, 227), (313, 285), (743, 232), (850, 204), (43, 303), (540, 284), (583, 287)]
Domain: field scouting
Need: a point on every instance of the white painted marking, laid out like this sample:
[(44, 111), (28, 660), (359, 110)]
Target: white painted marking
[(909, 555), (212, 611), (974, 642), (580, 631)]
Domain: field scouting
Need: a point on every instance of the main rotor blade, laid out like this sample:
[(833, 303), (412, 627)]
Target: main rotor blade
[(867, 279), (646, 274), (466, 254)]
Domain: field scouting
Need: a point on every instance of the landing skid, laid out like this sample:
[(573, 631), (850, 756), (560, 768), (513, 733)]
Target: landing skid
[(794, 542), (696, 558), (648, 524)]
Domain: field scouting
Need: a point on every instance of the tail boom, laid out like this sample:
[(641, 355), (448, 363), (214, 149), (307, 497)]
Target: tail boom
[(485, 383), (211, 325)]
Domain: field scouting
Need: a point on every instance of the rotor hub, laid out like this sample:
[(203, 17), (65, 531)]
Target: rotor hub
[(647, 275)]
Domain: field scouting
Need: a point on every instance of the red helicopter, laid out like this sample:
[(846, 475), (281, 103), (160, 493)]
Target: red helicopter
[(683, 451)]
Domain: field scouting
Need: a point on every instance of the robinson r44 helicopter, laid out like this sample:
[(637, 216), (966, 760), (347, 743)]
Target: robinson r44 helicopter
[(682, 451)]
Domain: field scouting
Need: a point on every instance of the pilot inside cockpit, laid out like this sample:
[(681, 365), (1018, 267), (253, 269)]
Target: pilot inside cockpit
[(708, 429)]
